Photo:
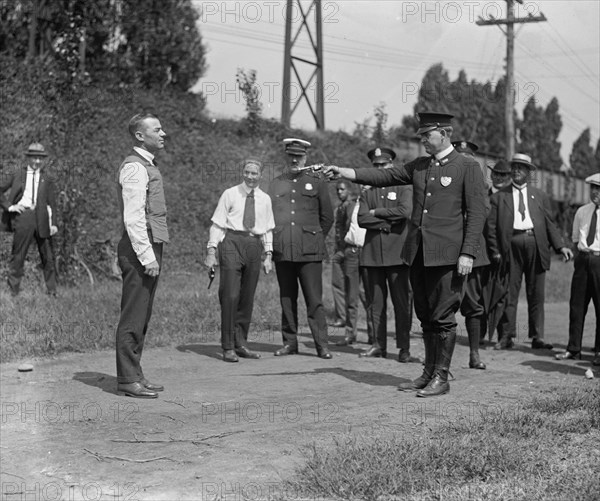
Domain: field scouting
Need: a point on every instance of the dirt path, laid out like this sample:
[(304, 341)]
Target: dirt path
[(233, 431)]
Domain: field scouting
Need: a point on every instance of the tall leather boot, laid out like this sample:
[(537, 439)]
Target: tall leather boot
[(429, 340), (474, 332), (444, 350)]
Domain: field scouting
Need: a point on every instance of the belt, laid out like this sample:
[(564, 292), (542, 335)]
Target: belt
[(243, 233), (591, 253), (522, 232)]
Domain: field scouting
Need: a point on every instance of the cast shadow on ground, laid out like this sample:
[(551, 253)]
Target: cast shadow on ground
[(100, 380), (577, 369), (215, 351), (367, 377)]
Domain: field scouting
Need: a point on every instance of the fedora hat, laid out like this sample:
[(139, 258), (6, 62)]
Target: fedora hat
[(501, 167)]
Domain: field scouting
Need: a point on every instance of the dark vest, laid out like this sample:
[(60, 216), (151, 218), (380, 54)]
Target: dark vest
[(156, 207)]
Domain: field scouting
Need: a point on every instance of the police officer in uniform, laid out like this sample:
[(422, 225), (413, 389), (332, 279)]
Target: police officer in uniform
[(472, 306), (443, 238), (385, 213), (303, 217)]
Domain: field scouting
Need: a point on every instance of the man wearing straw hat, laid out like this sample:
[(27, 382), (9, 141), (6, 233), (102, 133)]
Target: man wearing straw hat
[(31, 215)]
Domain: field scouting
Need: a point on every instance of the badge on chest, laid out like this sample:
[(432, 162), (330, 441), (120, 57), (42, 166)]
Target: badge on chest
[(391, 195), (445, 181)]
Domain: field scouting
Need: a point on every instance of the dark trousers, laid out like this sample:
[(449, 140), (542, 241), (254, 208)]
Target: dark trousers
[(345, 284), (136, 310), (472, 304), (240, 260), (366, 301), (525, 261), (337, 285), (25, 232), (584, 286), (309, 275), (379, 278), (437, 292)]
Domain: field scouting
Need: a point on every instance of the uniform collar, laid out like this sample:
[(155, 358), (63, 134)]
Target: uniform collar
[(444, 153)]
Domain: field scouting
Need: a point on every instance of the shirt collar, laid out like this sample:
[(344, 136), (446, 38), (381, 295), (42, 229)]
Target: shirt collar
[(519, 186), (145, 154), (444, 153), (247, 188)]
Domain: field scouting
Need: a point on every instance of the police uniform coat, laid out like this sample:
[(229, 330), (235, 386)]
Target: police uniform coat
[(444, 192), (388, 227), (303, 217)]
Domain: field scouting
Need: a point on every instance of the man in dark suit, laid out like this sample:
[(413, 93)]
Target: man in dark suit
[(495, 289), (31, 209), (385, 213), (520, 228), (303, 217), (443, 238), (143, 211), (585, 285)]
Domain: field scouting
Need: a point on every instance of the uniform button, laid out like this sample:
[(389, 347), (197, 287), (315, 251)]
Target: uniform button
[(424, 211), (293, 212), (295, 180), (428, 194), (293, 201), (433, 178), (293, 223), (293, 191)]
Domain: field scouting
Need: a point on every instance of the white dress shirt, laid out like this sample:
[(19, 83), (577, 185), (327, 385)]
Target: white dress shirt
[(581, 227), (134, 183), (229, 215), (29, 196), (518, 222)]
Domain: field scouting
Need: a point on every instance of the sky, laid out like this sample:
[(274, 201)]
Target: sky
[(378, 52)]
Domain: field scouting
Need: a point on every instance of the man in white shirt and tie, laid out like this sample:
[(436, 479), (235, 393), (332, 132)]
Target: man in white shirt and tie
[(586, 276), (242, 229), (31, 212), (521, 229)]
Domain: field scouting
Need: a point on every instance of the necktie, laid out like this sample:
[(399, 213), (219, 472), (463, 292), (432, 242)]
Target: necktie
[(32, 189), (521, 204), (593, 225), (249, 216)]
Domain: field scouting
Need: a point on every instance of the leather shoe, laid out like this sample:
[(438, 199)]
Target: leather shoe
[(404, 357), (338, 323), (286, 350), (244, 352), (504, 344), (346, 341), (152, 386), (596, 360), (230, 356), (540, 344), (567, 355), (477, 364), (137, 390), (374, 352), (437, 386), (324, 353)]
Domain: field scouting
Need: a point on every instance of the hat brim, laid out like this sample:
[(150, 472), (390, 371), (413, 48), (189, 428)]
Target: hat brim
[(36, 154), (428, 128), (523, 162)]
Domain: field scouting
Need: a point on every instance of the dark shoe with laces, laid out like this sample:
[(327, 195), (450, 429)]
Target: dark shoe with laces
[(567, 355), (136, 390), (540, 344), (230, 356), (244, 352), (152, 386), (286, 350), (373, 352)]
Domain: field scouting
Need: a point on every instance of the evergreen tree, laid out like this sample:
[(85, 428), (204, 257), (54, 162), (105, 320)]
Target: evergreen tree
[(582, 158)]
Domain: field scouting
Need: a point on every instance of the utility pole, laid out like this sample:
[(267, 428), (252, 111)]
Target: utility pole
[(510, 22), (291, 62)]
